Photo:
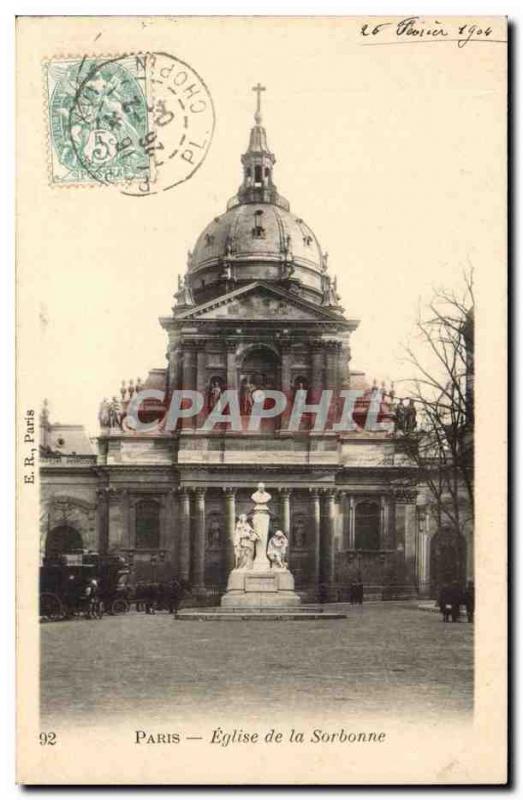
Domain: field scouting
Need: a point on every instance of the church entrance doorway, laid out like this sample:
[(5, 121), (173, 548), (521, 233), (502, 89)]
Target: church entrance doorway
[(63, 539), (447, 559)]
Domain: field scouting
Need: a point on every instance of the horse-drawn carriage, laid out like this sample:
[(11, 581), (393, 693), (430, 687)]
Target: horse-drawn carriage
[(83, 584)]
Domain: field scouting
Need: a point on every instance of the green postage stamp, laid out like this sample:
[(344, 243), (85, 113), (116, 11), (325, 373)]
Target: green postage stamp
[(142, 122), (98, 120)]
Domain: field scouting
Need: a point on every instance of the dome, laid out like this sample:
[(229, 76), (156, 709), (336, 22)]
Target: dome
[(257, 238), (257, 241)]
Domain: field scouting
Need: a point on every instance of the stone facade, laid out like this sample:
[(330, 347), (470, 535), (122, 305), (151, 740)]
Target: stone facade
[(257, 307)]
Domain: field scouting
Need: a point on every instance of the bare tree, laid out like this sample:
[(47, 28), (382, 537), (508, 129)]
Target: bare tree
[(441, 441)]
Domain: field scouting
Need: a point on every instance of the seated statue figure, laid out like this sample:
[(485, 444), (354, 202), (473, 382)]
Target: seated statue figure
[(277, 550)]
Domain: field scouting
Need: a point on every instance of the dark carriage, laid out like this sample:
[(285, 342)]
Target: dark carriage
[(73, 584), (113, 575)]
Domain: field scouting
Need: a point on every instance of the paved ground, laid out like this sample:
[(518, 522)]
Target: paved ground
[(384, 659)]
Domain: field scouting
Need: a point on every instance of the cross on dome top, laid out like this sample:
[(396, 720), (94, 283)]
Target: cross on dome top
[(258, 89), (258, 163)]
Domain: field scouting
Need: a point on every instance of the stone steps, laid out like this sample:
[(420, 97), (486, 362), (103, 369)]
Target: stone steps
[(257, 613)]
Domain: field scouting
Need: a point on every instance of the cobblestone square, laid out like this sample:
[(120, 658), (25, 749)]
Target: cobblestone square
[(384, 659)]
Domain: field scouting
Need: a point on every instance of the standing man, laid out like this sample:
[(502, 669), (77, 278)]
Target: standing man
[(469, 601), (175, 596)]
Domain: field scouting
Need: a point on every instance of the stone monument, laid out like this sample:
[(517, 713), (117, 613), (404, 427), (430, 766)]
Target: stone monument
[(260, 577)]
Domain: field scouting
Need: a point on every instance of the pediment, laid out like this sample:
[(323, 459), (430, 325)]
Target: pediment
[(260, 301)]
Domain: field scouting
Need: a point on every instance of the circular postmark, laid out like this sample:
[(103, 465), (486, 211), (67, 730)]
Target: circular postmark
[(141, 122)]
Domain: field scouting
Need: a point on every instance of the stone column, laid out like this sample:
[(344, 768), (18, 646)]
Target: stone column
[(410, 532), (132, 522), (332, 355), (399, 524), (162, 539), (352, 528), (232, 377), (175, 368), (406, 525), (316, 533), (388, 542), (185, 534), (427, 540), (201, 380), (178, 368), (189, 377), (383, 530), (286, 387), (230, 524), (341, 526), (199, 539), (344, 359), (423, 551), (127, 534), (116, 535), (189, 366), (423, 562), (170, 528), (103, 520), (286, 366), (327, 538), (333, 379), (318, 362), (285, 515), (285, 510)]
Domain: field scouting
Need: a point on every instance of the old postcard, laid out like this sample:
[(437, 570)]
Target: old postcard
[(261, 395)]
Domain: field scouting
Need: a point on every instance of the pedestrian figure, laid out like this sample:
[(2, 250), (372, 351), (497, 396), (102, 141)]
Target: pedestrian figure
[(91, 595), (176, 592), (356, 591), (150, 598), (140, 592), (450, 601), (359, 589), (469, 601), (353, 593), (445, 602), (456, 598)]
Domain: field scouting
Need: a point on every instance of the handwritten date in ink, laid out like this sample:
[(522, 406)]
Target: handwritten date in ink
[(416, 29)]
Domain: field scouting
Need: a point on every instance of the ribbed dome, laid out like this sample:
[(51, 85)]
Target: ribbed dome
[(257, 238)]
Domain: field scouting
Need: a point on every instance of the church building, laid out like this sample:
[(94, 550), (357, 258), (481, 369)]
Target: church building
[(256, 310)]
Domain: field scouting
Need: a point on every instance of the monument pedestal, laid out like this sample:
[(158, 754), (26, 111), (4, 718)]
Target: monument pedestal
[(260, 589)]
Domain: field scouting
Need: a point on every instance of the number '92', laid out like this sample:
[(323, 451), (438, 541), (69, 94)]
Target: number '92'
[(47, 738)]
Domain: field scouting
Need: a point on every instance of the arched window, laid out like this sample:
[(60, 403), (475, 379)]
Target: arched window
[(260, 367), (147, 525), (367, 523), (63, 539)]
